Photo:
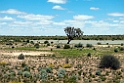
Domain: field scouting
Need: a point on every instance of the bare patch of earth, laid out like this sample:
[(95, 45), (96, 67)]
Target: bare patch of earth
[(31, 53)]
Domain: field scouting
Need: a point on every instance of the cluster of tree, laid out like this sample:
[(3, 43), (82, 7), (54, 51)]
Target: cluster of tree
[(71, 32), (85, 37)]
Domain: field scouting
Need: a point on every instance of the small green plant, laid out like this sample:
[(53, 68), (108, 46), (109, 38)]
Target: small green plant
[(109, 61), (115, 50), (98, 72), (37, 45), (58, 46), (20, 72), (26, 74), (23, 64), (73, 79), (61, 73), (89, 54), (48, 44), (26, 68), (43, 74), (121, 48), (49, 69), (66, 46), (53, 55), (94, 49), (21, 56), (122, 44)]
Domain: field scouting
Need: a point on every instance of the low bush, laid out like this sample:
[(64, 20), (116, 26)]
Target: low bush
[(89, 54), (99, 43), (121, 49), (66, 46), (109, 61), (115, 50), (122, 44), (21, 56), (43, 74), (46, 42), (61, 72), (26, 74), (58, 46), (89, 45), (37, 45)]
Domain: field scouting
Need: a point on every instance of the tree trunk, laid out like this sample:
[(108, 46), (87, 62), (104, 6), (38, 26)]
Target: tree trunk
[(68, 41)]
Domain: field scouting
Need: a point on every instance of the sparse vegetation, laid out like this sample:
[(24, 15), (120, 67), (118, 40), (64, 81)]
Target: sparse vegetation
[(60, 65)]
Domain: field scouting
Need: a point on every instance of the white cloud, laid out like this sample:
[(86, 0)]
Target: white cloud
[(94, 8), (6, 18), (57, 1), (20, 23), (82, 17), (57, 7), (12, 11), (116, 14), (36, 17)]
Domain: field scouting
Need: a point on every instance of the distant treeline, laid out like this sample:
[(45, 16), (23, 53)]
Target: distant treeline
[(84, 37)]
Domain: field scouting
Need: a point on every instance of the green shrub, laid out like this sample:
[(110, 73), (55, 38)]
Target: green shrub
[(53, 55), (73, 79), (43, 74), (21, 56), (122, 44), (48, 44), (121, 49), (26, 68), (37, 46), (66, 46), (13, 47), (89, 54), (45, 42), (98, 72), (61, 73), (23, 64), (109, 61), (26, 74), (49, 69), (94, 48), (5, 75), (89, 45), (20, 72), (58, 46), (115, 50), (79, 45), (99, 43)]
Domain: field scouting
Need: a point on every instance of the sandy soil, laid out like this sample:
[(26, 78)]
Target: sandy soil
[(32, 53)]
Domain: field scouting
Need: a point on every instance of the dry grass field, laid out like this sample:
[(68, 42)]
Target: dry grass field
[(49, 64)]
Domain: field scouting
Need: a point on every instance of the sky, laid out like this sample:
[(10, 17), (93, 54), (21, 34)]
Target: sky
[(50, 17)]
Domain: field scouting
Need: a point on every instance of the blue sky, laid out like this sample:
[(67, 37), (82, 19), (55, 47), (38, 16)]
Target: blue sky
[(50, 17)]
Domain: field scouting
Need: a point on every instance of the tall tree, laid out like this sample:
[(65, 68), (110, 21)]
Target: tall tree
[(72, 32)]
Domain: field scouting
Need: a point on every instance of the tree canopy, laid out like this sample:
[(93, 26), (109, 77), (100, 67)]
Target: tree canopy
[(72, 32)]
